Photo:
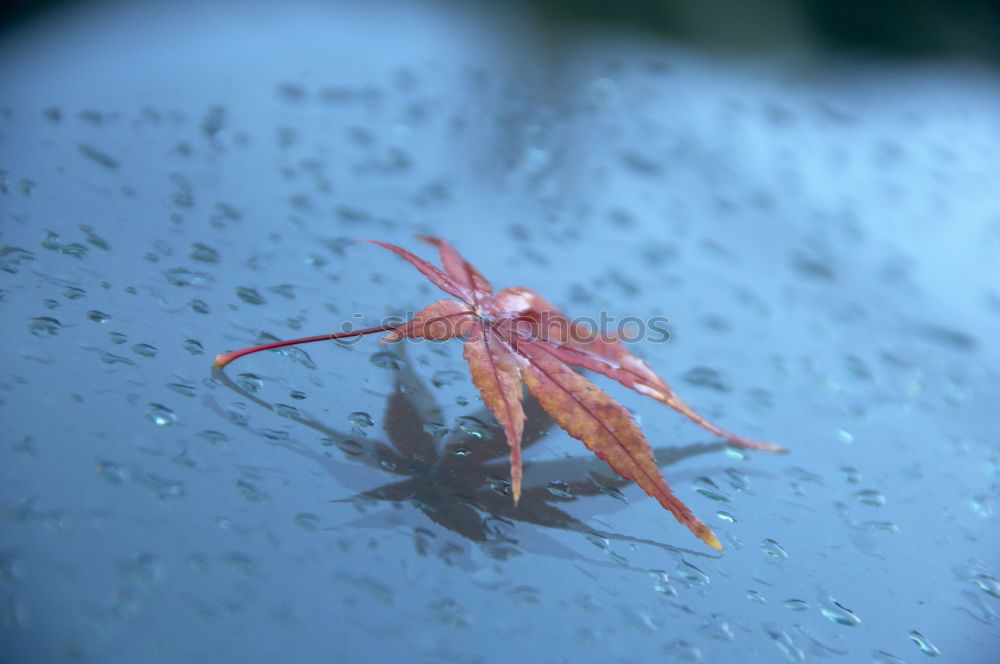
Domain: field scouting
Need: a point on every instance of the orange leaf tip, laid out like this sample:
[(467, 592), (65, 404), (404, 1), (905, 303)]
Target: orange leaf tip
[(709, 538)]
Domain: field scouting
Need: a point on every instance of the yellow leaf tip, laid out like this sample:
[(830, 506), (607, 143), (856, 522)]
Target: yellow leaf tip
[(709, 538)]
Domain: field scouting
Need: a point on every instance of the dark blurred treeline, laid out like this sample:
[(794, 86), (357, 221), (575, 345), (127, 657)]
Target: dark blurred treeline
[(886, 28), (868, 28)]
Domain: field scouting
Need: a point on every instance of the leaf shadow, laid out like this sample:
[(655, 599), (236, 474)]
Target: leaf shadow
[(458, 480)]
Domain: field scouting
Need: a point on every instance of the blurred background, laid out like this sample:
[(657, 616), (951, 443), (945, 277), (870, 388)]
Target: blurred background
[(807, 190), (903, 29)]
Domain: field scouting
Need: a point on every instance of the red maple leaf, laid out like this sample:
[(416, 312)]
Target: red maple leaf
[(516, 337)]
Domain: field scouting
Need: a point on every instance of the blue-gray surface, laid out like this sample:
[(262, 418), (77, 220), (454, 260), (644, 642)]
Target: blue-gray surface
[(185, 180)]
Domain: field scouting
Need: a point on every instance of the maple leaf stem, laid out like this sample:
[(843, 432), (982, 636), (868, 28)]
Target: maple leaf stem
[(222, 359)]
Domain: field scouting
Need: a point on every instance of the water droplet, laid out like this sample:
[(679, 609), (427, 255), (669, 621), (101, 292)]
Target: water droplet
[(560, 489), (146, 350), (360, 421), (384, 359), (285, 410), (145, 570), (851, 474), (98, 316), (881, 526), (284, 290), (276, 435), (436, 429), (661, 582), (738, 480), (11, 258), (111, 472), (844, 436), (297, 355), (883, 657), (97, 156), (870, 497), (773, 549), (718, 628), (683, 651), (182, 388), (706, 487), (755, 596), (204, 253), (182, 277), (199, 306), (613, 492), (987, 584), (804, 475), (249, 382), (525, 594), (499, 486), (705, 377), (599, 541), (796, 605), (242, 564), (93, 238), (446, 377), (924, 644), (249, 491), (111, 358), (213, 437), (791, 652), (193, 347), (836, 612), (315, 260), (236, 417), (981, 505), (74, 249), (74, 293), (459, 451), (691, 574), (250, 295), (160, 415), (461, 401), (351, 447), (450, 613), (117, 338), (307, 521), (473, 427), (726, 516), (736, 453), (43, 326), (163, 487)]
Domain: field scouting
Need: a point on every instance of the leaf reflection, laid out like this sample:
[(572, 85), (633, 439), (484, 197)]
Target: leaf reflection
[(460, 481)]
